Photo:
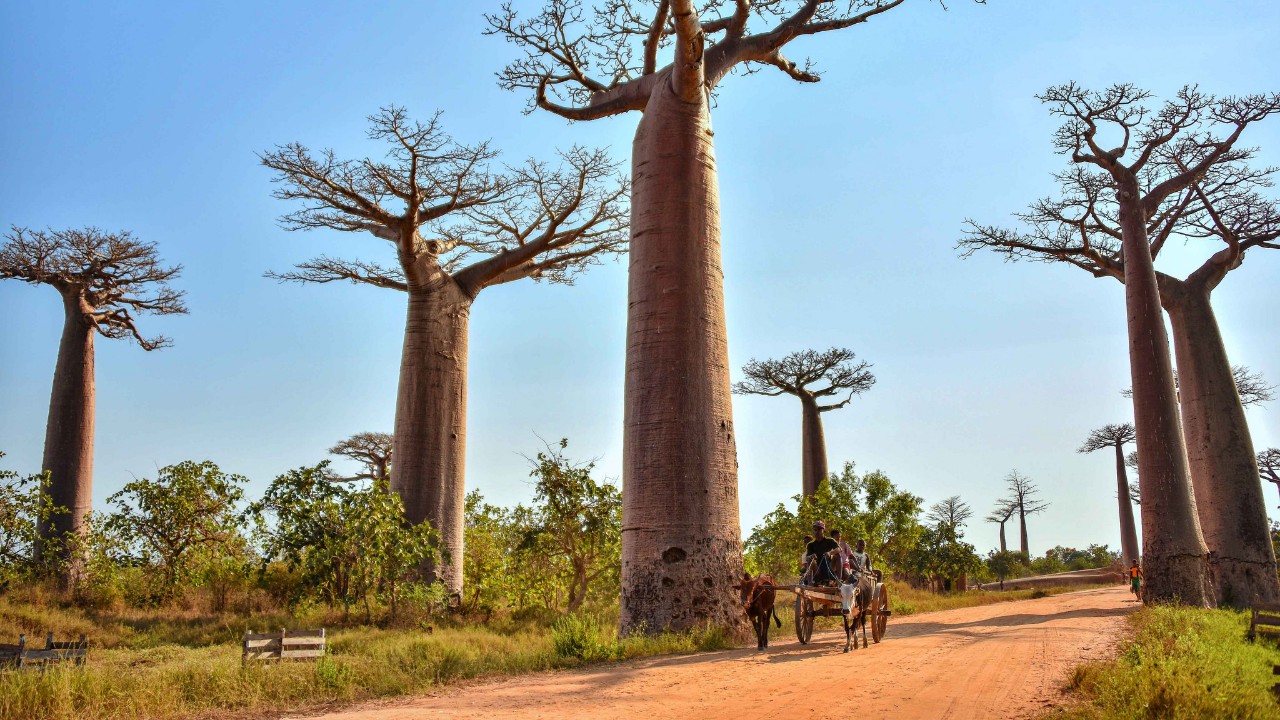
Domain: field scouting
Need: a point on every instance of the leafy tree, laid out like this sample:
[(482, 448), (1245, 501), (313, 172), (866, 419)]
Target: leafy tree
[(490, 540), (24, 504), (186, 515), (943, 556), (576, 518), (1003, 563), (348, 545), (867, 507)]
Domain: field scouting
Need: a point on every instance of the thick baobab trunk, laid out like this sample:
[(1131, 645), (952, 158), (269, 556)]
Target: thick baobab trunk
[(1224, 468), (431, 421), (813, 447), (1174, 552), (1003, 547), (1128, 530), (681, 541), (68, 439), (1022, 531)]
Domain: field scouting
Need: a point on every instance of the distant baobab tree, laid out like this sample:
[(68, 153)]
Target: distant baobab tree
[(681, 543), (1269, 465), (950, 513), (1116, 437), (1004, 510), (1176, 171), (811, 376), (372, 450), (105, 279), (457, 226), (1022, 495)]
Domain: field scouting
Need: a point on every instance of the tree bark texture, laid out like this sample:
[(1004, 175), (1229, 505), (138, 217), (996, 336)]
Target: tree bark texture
[(1003, 547), (68, 439), (813, 447), (1128, 530), (681, 540), (1224, 468), (1174, 552), (431, 420)]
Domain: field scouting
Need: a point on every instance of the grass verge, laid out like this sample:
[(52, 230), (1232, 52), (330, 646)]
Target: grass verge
[(187, 665), (1183, 663), (163, 665)]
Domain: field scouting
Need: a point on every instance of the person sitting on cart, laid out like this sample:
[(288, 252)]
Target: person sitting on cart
[(804, 555), (820, 570), (845, 553), (859, 560)]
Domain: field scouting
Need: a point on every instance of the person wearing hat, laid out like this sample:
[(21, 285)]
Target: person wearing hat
[(817, 552)]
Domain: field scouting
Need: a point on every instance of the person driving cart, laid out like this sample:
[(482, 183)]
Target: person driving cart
[(819, 569)]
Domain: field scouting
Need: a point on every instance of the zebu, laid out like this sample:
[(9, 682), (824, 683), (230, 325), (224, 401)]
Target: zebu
[(758, 595)]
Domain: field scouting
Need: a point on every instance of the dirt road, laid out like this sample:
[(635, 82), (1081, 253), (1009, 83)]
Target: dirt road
[(1008, 660)]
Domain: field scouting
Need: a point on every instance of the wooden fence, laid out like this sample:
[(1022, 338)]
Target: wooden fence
[(284, 645), (21, 655)]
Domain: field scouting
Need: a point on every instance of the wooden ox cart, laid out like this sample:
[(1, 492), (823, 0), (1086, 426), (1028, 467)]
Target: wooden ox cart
[(846, 602)]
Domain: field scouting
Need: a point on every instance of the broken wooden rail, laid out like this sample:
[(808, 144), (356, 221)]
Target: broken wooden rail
[(22, 656), (1264, 620), (284, 645)]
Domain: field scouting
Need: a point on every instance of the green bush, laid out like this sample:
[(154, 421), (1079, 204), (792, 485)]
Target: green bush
[(578, 636)]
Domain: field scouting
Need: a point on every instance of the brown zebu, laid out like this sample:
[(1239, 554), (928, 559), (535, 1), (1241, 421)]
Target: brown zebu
[(758, 594)]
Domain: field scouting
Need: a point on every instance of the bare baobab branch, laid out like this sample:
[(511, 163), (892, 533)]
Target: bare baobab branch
[(1252, 387), (810, 375), (372, 450), (106, 280), (457, 224)]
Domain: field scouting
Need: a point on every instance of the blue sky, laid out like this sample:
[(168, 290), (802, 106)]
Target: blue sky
[(841, 204)]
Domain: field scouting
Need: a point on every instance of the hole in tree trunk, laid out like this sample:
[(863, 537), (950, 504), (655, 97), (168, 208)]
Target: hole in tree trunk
[(673, 555)]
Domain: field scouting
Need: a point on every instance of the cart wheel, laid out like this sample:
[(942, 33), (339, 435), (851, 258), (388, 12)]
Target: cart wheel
[(881, 610)]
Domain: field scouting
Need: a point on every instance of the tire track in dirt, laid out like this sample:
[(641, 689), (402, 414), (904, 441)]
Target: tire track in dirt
[(1008, 660)]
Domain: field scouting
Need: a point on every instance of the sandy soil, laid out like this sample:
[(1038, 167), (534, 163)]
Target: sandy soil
[(1008, 660)]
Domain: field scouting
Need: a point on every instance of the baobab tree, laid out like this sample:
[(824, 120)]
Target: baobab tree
[(1175, 171), (1116, 437), (681, 543), (1004, 510), (1022, 494), (950, 513), (105, 279), (458, 226), (372, 450), (1269, 465), (834, 372)]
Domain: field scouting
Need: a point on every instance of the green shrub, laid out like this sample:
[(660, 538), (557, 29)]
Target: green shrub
[(578, 636)]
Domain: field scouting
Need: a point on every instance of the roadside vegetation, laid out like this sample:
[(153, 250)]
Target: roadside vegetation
[(1182, 662), (176, 568)]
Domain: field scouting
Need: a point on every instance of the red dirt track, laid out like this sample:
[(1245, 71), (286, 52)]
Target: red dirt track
[(1008, 660)]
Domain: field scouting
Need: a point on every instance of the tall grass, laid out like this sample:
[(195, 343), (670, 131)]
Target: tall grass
[(175, 664), (1181, 663)]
